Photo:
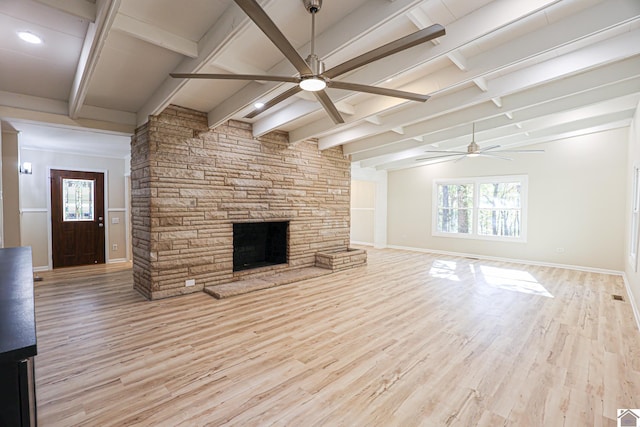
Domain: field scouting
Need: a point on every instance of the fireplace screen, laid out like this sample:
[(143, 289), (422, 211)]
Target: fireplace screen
[(259, 244)]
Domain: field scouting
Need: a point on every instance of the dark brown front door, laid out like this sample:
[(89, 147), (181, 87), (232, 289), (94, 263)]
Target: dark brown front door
[(77, 218)]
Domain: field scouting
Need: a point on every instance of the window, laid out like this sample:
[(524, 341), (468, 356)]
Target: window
[(77, 199), (481, 208), (455, 203), (499, 209)]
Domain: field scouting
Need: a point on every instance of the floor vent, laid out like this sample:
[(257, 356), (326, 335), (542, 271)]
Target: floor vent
[(617, 297)]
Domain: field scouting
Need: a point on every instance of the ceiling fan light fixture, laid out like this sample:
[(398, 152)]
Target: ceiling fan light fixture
[(312, 84), (473, 155), (29, 37)]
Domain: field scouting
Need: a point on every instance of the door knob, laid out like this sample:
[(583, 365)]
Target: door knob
[(101, 225)]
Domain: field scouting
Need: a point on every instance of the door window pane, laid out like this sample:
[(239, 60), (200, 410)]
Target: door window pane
[(77, 199)]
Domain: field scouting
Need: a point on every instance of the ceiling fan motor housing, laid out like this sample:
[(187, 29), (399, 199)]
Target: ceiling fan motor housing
[(472, 148), (316, 65), (312, 6)]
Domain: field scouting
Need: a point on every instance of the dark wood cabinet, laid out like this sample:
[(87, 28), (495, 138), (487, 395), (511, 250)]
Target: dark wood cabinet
[(17, 339)]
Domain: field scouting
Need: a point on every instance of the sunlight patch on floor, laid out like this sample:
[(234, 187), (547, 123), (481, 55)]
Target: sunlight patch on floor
[(444, 270), (513, 280)]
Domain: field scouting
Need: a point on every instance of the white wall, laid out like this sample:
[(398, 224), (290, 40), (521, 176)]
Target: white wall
[(577, 196), (9, 174), (379, 179), (363, 212), (633, 159), (35, 203)]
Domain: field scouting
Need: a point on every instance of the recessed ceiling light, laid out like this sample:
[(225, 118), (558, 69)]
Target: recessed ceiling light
[(258, 105), (29, 37)]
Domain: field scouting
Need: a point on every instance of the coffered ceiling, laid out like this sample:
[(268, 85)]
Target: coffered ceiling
[(524, 71)]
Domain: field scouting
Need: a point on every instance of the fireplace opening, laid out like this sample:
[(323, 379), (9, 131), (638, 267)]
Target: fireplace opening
[(259, 244)]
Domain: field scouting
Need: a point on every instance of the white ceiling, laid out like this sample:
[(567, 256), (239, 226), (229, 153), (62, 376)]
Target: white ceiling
[(525, 71)]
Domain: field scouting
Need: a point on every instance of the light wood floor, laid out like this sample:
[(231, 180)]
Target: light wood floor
[(411, 339)]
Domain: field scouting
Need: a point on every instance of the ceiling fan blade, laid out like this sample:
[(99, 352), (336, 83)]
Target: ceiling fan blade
[(378, 90), (329, 106), (284, 79), (440, 157), (398, 45), (488, 148), (440, 161), (446, 152), (494, 156), (522, 151), (274, 101), (269, 28), (461, 158)]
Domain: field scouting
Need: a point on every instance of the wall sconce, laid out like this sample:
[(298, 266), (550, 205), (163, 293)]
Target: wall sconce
[(25, 168)]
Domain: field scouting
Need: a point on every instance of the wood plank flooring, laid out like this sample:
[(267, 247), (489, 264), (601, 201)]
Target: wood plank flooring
[(411, 339)]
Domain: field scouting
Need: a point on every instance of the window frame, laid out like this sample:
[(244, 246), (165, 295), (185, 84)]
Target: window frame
[(475, 182)]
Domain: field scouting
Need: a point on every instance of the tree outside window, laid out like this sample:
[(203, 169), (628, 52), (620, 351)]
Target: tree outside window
[(455, 203), (499, 209)]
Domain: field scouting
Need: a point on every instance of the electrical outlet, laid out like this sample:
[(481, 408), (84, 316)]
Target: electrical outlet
[(560, 250), (190, 282), (114, 247)]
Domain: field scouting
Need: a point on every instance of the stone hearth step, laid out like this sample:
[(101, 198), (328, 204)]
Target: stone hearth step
[(244, 286)]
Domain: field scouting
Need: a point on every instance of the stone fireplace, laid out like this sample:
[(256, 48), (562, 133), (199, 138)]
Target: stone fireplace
[(191, 185)]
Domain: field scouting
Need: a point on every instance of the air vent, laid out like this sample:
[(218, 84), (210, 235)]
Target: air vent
[(617, 297)]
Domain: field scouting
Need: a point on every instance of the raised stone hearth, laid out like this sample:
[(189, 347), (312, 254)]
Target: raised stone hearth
[(190, 184), (342, 259), (252, 284), (326, 263)]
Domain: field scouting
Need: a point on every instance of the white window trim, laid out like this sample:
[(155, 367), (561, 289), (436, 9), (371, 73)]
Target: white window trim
[(523, 179)]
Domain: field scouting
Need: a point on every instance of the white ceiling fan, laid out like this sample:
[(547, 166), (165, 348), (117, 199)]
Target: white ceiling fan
[(312, 74), (473, 150)]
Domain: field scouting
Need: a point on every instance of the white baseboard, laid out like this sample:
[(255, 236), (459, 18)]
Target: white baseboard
[(46, 267), (374, 245), (354, 242), (632, 300), (513, 260)]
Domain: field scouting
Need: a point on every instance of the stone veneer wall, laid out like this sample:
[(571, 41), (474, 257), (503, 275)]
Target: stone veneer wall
[(190, 184)]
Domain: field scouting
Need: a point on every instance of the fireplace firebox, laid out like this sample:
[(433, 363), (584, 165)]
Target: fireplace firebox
[(259, 244)]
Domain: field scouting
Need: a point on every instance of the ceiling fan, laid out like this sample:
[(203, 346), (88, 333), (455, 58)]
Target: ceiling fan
[(312, 75), (473, 150)]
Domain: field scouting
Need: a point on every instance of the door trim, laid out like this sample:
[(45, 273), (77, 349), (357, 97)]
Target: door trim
[(106, 209)]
